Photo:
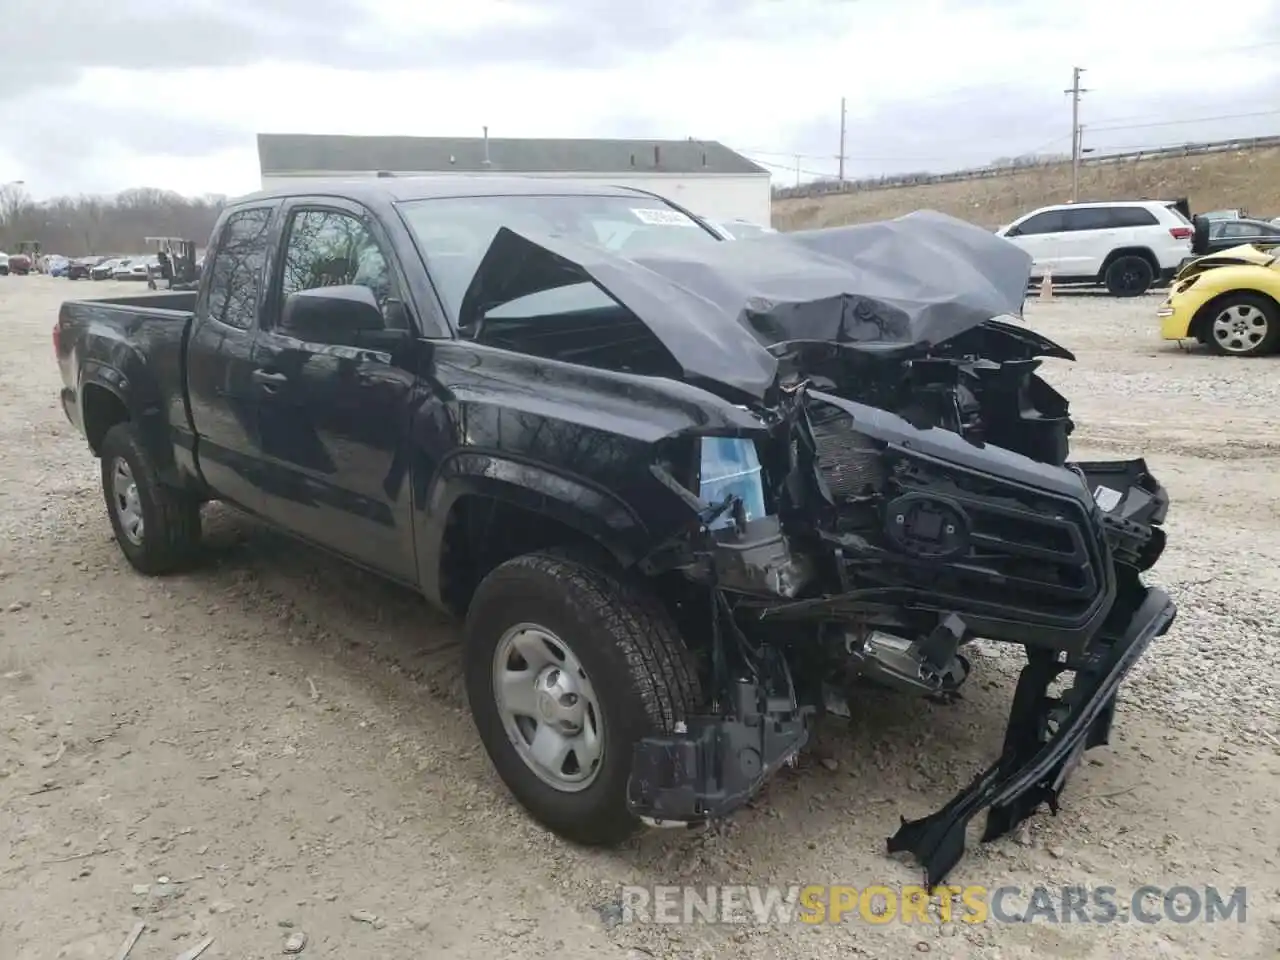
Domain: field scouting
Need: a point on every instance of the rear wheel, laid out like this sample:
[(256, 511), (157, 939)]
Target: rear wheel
[(567, 667), (1129, 276), (1243, 325), (156, 526)]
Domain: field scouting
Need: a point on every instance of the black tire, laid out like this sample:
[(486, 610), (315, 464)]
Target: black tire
[(1129, 276), (631, 652), (1246, 310), (170, 533)]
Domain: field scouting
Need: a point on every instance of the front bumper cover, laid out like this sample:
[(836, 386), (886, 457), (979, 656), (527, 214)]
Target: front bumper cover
[(1034, 768)]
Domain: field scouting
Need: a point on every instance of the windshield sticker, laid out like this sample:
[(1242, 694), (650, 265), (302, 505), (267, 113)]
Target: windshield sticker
[(662, 218)]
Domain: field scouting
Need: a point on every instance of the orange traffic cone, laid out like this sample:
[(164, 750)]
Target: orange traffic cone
[(1046, 285)]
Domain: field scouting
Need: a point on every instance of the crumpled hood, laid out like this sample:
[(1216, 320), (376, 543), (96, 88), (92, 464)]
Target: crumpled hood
[(1244, 255), (726, 310)]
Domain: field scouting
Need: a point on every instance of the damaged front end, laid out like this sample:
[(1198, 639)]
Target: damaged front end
[(915, 503), (899, 487)]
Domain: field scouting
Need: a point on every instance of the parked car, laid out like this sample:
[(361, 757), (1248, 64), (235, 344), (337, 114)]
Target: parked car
[(56, 266), (1219, 235), (668, 541), (107, 268), (81, 268), (1228, 300), (133, 268), (1233, 213), (139, 268), (4, 264), (1126, 246), (19, 264)]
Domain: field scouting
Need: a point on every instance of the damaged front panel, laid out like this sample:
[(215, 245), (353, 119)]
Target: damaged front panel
[(898, 487)]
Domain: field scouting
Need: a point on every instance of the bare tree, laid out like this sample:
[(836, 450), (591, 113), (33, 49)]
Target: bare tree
[(77, 226)]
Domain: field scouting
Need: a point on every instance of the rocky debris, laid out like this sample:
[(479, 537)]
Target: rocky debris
[(296, 942)]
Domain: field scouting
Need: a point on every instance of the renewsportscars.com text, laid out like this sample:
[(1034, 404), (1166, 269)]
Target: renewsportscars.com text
[(876, 904)]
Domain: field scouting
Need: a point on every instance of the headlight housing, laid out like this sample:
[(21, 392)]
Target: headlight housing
[(731, 465)]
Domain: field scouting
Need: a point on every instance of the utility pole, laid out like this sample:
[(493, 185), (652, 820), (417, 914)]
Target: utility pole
[(841, 158), (1075, 92), (797, 169)]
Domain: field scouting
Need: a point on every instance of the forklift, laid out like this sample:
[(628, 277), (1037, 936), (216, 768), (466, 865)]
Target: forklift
[(177, 263)]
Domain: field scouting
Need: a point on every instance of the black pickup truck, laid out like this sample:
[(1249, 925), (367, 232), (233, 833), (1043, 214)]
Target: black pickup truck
[(688, 493)]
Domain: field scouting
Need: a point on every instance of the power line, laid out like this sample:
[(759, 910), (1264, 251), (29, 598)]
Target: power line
[(792, 168), (1175, 123), (759, 154)]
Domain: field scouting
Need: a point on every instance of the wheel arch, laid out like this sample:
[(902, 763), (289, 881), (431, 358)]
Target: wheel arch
[(479, 519), (108, 397), (1199, 326), (101, 408), (1146, 253)]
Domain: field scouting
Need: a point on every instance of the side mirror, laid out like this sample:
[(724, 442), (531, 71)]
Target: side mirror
[(1010, 232), (337, 314)]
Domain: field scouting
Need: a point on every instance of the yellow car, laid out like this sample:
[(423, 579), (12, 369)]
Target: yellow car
[(1228, 300)]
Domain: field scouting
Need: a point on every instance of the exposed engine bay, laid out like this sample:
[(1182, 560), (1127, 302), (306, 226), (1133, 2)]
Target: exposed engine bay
[(901, 487), (904, 516)]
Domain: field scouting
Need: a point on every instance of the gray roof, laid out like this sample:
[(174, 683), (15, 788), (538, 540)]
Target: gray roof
[(290, 153), (396, 189)]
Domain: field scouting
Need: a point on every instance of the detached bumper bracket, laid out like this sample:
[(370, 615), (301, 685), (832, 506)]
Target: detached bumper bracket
[(1032, 770), (718, 763)]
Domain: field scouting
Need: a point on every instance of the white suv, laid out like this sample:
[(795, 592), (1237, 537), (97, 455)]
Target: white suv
[(1127, 246)]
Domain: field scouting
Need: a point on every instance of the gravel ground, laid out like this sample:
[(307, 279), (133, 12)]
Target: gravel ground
[(285, 739)]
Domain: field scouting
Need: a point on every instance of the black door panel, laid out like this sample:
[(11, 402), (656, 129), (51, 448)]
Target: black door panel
[(220, 358), (333, 418)]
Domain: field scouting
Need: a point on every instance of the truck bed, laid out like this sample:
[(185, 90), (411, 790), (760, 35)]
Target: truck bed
[(137, 338)]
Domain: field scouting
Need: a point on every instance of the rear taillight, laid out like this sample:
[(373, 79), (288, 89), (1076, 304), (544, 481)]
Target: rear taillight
[(1181, 233), (57, 339)]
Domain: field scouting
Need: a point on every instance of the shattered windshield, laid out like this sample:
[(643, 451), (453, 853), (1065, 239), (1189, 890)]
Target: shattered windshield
[(455, 232)]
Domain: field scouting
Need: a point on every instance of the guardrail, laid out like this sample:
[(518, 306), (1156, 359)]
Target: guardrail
[(819, 188)]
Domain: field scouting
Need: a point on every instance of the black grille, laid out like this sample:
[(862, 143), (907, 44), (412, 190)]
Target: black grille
[(1026, 552)]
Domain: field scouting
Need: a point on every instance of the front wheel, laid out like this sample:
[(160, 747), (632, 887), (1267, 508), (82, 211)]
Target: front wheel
[(567, 667), (156, 525), (1129, 277), (1244, 325)]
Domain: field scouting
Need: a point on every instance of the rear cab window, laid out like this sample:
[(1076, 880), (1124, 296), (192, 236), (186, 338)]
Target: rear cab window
[(235, 275)]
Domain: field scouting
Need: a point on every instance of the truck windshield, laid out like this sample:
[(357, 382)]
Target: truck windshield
[(454, 232)]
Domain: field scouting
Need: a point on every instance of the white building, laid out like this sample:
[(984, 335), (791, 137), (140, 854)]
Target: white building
[(703, 176)]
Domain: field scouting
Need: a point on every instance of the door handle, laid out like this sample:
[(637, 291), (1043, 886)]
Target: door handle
[(269, 380)]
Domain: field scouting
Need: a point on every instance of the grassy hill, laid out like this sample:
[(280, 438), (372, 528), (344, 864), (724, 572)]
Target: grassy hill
[(1248, 178)]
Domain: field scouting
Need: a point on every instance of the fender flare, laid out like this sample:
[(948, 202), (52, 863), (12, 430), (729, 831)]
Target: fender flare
[(577, 503), (145, 412)]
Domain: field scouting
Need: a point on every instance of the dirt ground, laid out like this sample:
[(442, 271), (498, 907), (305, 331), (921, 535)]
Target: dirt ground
[(285, 740)]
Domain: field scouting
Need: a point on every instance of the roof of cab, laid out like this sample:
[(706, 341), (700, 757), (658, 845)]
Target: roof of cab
[(393, 189)]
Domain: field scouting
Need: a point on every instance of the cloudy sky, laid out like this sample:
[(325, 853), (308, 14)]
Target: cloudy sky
[(97, 98)]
